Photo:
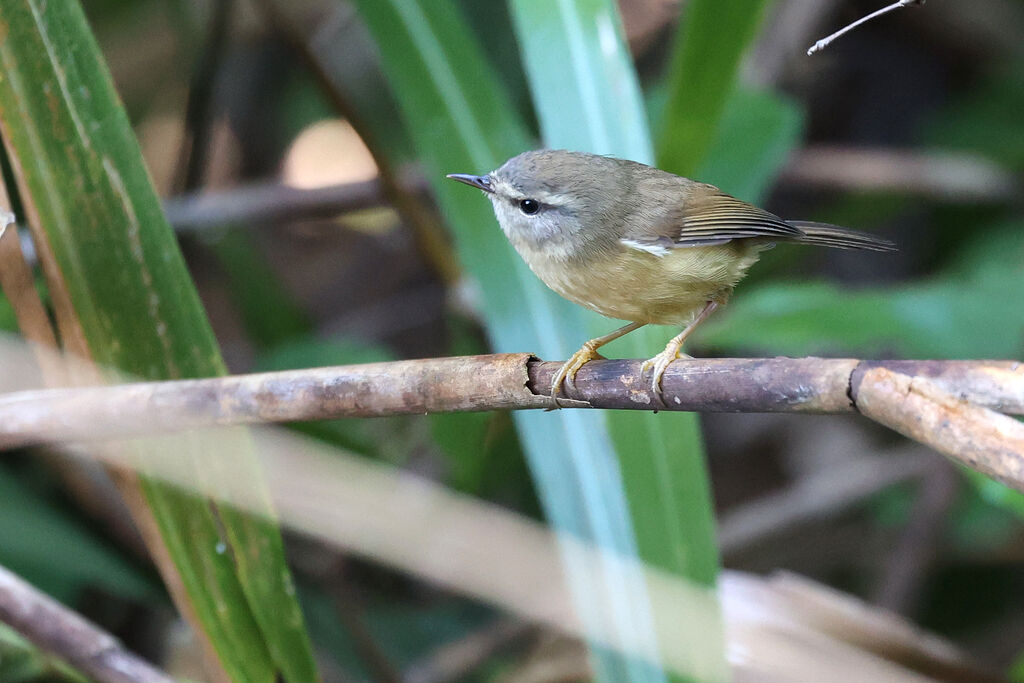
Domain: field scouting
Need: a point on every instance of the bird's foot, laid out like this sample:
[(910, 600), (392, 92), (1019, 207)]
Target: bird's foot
[(567, 372), (658, 365)]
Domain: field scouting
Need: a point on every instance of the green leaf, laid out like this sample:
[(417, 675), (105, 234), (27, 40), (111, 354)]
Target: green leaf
[(713, 37), (949, 317), (757, 133), (584, 87), (587, 97), (114, 255), (462, 121)]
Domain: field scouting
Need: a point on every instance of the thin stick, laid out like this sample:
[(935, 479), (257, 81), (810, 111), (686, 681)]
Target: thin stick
[(826, 41), (820, 496), (271, 202), (458, 659), (57, 630)]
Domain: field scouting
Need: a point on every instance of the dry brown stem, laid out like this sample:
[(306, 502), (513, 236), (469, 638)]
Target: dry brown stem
[(948, 405), (947, 176), (921, 409), (56, 629)]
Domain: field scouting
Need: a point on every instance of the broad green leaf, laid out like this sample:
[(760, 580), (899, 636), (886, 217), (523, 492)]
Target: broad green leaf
[(949, 317), (757, 133), (587, 97), (461, 121), (713, 37), (584, 87), (114, 255)]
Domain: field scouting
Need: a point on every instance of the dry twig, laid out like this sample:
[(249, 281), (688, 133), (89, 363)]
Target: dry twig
[(56, 629), (273, 202), (456, 660), (424, 224), (827, 40), (948, 405), (907, 569), (922, 410), (945, 176), (828, 494)]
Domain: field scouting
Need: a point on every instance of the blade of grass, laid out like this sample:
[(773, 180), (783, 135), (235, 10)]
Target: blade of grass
[(712, 38), (586, 93), (123, 296), (462, 121)]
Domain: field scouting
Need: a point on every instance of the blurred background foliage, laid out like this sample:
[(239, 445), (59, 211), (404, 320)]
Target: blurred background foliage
[(226, 94)]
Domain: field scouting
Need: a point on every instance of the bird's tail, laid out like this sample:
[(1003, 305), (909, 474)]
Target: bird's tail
[(827, 235)]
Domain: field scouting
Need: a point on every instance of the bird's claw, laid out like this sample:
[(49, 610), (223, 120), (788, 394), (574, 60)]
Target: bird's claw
[(567, 373), (658, 365)]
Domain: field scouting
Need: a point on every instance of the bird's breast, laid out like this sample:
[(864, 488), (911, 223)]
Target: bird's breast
[(639, 286)]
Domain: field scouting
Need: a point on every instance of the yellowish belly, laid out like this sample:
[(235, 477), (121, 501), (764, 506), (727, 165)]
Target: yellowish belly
[(643, 287)]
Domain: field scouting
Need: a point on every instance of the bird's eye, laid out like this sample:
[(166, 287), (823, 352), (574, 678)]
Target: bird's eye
[(529, 206)]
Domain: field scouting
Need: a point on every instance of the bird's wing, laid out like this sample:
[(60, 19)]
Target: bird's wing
[(707, 219)]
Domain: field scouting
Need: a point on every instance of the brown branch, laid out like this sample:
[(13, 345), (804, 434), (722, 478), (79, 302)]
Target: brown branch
[(948, 405), (819, 496), (424, 224), (17, 282), (908, 567), (56, 629), (923, 410), (274, 202), (946, 176), (480, 383)]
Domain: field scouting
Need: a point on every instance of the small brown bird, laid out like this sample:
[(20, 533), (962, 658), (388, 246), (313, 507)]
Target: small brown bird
[(637, 243)]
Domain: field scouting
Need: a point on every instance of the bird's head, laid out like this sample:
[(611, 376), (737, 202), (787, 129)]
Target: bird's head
[(555, 200)]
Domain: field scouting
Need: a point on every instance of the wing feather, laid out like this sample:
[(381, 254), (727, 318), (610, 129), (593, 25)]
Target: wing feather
[(710, 217)]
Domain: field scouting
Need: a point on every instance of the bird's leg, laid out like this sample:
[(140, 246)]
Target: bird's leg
[(661, 362), (587, 352)]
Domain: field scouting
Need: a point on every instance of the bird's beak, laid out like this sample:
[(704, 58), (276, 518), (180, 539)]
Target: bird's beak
[(482, 182)]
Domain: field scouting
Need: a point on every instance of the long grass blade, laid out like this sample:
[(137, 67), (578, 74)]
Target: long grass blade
[(461, 120), (587, 97), (713, 37), (124, 298)]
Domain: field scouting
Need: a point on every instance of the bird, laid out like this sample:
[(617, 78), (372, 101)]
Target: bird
[(636, 243)]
